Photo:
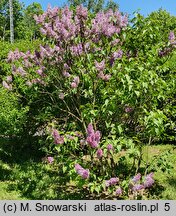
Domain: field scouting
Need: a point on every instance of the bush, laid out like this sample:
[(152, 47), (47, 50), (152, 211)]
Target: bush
[(12, 115), (87, 78)]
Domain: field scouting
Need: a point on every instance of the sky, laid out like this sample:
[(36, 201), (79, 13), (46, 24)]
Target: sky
[(145, 6)]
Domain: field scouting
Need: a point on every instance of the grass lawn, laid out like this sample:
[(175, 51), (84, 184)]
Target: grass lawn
[(24, 176), (166, 153)]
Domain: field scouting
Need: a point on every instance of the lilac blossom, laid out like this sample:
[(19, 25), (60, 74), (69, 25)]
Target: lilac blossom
[(109, 147), (75, 82), (165, 51), (99, 153), (115, 42), (124, 21), (118, 54), (9, 79), (81, 12), (66, 67), (110, 30), (171, 36), (100, 66), (65, 74), (76, 49), (16, 55), (119, 191), (136, 178), (61, 96), (73, 85), (29, 83), (111, 181), (40, 72), (67, 26), (107, 77), (37, 80), (84, 173), (57, 138), (102, 23), (137, 187), (7, 86), (21, 71), (103, 77), (27, 64), (128, 109), (50, 160), (149, 181), (93, 137)]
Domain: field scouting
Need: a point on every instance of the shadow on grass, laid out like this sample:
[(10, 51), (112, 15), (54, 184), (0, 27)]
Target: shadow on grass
[(172, 181), (35, 179), (23, 171), (13, 150), (4, 173)]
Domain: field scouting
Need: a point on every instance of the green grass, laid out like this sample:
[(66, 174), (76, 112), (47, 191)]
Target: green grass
[(23, 174), (165, 154), (7, 194)]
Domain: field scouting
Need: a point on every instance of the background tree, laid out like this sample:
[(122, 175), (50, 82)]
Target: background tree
[(94, 5), (11, 21), (28, 24), (5, 18)]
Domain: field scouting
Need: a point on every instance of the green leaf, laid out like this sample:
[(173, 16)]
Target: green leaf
[(137, 93)]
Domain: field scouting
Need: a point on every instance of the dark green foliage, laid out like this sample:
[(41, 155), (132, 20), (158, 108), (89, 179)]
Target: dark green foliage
[(28, 27), (95, 5)]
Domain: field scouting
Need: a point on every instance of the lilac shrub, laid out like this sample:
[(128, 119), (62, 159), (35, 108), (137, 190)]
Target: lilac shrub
[(87, 80)]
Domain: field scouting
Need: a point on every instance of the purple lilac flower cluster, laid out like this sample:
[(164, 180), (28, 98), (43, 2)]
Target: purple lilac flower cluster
[(29, 60), (93, 137), (61, 95), (148, 182), (165, 51), (119, 191), (171, 37), (76, 50), (138, 187), (67, 25), (103, 23), (63, 26), (58, 139), (75, 82), (99, 153), (128, 109), (50, 160), (111, 181), (168, 50), (100, 66), (136, 178), (7, 84), (84, 173), (116, 55), (103, 76), (109, 147)]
